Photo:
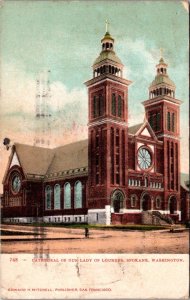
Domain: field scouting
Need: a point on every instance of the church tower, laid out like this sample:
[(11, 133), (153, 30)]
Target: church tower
[(162, 111), (107, 134)]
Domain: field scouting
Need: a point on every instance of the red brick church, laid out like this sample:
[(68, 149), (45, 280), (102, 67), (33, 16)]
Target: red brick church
[(120, 174)]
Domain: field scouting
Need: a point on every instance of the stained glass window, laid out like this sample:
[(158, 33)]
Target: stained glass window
[(78, 195), (57, 196), (67, 195), (48, 192)]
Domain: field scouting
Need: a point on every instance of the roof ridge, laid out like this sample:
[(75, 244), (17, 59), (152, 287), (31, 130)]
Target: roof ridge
[(76, 142), (32, 146)]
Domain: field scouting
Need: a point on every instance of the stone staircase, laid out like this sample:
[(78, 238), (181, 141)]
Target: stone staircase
[(155, 218)]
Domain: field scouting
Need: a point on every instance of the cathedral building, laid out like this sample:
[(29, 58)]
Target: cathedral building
[(120, 174)]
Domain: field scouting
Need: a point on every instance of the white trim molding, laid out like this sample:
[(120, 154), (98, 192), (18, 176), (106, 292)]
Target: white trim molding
[(105, 120)]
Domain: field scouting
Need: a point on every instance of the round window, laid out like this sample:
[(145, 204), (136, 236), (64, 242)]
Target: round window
[(16, 183), (144, 158)]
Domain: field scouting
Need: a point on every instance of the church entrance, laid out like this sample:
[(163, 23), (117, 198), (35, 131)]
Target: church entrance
[(146, 202), (172, 205), (117, 201)]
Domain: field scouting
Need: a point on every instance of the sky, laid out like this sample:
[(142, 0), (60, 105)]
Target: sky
[(64, 37)]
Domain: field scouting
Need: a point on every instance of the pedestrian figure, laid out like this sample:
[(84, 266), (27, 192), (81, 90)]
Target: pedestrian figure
[(86, 232)]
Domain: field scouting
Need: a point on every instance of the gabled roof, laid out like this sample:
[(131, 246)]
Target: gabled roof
[(34, 160), (70, 156), (143, 130), (134, 129), (42, 161)]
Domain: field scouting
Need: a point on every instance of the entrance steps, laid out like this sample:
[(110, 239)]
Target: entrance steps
[(155, 218)]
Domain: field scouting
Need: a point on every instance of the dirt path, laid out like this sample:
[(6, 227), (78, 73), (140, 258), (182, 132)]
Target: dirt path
[(66, 240)]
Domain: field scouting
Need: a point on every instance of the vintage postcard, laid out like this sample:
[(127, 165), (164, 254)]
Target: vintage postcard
[(94, 153)]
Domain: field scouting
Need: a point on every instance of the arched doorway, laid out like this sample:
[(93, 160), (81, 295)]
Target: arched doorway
[(146, 202), (117, 201), (172, 205)]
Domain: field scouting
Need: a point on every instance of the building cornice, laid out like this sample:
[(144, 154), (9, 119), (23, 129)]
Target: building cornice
[(161, 99), (107, 77), (106, 120), (79, 172), (168, 136)]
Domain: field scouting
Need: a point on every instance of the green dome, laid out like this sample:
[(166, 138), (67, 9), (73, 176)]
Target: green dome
[(159, 79), (107, 55)]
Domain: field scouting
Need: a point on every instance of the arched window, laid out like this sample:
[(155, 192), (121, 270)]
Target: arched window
[(157, 121), (173, 122), (134, 199), (113, 108), (48, 192), (95, 107), (168, 121), (57, 196), (119, 106), (101, 105), (78, 195), (151, 120), (67, 195)]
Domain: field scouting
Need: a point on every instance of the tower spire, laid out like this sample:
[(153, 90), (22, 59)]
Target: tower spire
[(162, 84)]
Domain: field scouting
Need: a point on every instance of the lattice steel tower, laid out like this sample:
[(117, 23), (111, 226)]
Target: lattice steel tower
[(42, 110)]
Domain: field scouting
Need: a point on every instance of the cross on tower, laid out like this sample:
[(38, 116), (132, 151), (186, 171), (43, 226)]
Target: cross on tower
[(161, 52), (107, 25)]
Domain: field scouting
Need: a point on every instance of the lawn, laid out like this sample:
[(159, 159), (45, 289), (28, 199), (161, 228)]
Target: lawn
[(102, 227)]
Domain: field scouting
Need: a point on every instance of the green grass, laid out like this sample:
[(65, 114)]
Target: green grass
[(102, 227)]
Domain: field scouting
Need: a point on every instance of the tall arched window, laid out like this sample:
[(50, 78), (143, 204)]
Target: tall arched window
[(57, 196), (157, 121), (78, 195), (96, 107), (151, 120), (113, 108), (48, 192), (67, 195), (101, 105), (173, 122), (168, 121), (120, 106)]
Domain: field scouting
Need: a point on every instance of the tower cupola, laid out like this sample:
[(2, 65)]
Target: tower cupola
[(107, 62), (162, 85), (107, 42)]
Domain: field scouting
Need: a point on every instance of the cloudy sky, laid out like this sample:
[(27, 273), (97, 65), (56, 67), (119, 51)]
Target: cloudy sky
[(64, 37)]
